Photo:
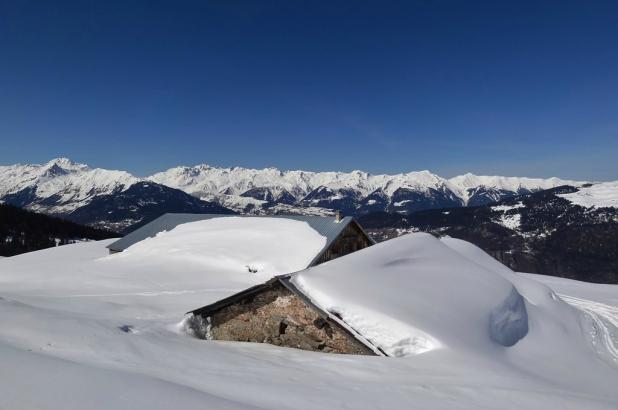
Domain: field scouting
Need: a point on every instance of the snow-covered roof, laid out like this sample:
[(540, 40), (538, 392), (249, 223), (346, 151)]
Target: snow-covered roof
[(286, 281), (379, 291), (326, 226)]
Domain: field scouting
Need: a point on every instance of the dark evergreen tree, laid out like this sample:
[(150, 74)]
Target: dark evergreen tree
[(24, 231)]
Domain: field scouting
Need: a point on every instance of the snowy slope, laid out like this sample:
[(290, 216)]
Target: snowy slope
[(82, 329), (602, 195), (467, 183)]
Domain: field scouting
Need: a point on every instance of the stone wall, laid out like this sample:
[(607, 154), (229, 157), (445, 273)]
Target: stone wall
[(279, 317)]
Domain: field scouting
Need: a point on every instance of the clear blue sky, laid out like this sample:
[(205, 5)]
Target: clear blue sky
[(491, 87)]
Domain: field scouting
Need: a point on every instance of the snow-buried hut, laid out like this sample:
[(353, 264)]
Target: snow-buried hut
[(401, 297), (279, 313), (343, 235)]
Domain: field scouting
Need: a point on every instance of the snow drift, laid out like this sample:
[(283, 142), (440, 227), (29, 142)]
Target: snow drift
[(64, 312), (414, 294)]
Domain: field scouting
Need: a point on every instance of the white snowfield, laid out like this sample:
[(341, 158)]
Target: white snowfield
[(602, 195), (85, 330)]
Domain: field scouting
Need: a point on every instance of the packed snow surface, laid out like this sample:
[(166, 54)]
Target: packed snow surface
[(85, 330), (602, 195)]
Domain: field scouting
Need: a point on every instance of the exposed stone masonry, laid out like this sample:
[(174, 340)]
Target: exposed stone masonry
[(277, 316)]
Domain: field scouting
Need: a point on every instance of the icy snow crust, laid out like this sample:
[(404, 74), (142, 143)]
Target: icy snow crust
[(81, 329), (603, 195)]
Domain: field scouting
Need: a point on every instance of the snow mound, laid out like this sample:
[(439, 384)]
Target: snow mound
[(414, 294), (603, 195)]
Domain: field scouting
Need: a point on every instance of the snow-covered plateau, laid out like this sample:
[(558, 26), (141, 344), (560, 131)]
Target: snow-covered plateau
[(82, 329), (603, 195)]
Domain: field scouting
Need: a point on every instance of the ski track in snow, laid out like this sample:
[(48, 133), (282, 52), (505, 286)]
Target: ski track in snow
[(604, 321)]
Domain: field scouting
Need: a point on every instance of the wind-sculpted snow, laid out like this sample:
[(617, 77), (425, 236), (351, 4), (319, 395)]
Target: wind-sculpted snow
[(83, 329), (393, 294), (508, 323)]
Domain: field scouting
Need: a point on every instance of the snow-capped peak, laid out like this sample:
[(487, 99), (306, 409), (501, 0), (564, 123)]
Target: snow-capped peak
[(68, 185), (205, 179), (66, 163), (60, 185)]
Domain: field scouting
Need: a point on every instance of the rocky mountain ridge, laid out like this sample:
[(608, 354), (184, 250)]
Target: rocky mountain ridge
[(75, 191)]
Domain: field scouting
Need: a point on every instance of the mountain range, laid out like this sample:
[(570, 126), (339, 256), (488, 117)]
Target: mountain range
[(116, 199), (549, 226)]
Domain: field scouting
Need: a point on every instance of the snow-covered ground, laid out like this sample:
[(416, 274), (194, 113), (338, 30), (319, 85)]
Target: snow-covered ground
[(602, 195), (504, 208), (85, 330)]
